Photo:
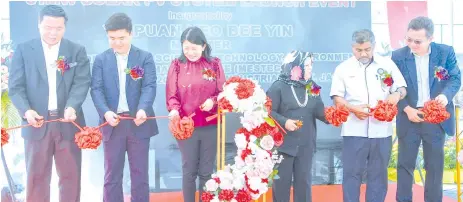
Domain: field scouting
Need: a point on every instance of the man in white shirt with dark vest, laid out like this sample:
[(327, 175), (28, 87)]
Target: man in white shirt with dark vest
[(358, 83), (42, 91)]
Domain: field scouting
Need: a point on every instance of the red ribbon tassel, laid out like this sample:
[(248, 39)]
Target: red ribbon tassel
[(384, 111), (183, 128), (336, 115), (434, 112), (88, 138)]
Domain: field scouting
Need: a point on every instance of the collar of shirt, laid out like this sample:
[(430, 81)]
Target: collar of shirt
[(377, 59), (123, 56), (52, 48)]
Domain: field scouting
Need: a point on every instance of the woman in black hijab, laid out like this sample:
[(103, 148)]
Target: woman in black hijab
[(296, 106)]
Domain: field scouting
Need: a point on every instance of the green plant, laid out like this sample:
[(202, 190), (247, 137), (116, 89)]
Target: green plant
[(10, 116), (450, 154)]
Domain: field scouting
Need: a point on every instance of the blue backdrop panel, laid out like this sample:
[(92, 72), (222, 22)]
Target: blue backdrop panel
[(250, 38)]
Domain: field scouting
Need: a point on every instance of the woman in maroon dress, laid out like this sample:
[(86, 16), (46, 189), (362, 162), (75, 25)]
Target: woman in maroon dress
[(193, 83)]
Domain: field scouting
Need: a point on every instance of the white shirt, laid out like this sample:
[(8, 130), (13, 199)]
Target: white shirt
[(422, 74), (51, 55), (359, 84), (121, 66)]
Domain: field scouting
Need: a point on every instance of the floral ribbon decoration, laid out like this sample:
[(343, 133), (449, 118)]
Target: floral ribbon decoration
[(86, 138), (313, 89), (434, 112), (136, 72), (209, 74), (441, 73), (182, 128), (386, 78), (384, 111), (336, 115), (62, 65)]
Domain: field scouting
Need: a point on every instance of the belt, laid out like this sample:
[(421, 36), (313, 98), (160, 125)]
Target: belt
[(124, 114), (53, 112)]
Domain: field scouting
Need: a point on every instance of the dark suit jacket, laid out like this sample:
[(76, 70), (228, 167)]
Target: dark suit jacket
[(28, 84), (441, 55), (140, 94), (285, 106)]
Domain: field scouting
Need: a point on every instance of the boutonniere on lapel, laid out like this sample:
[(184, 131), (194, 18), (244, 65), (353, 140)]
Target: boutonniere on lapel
[(385, 77), (63, 65), (209, 74), (441, 73), (136, 72), (313, 89)]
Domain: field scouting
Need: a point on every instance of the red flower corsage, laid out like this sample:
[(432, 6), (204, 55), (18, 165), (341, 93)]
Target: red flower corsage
[(62, 64), (441, 73), (209, 74), (135, 72), (313, 89), (386, 77)]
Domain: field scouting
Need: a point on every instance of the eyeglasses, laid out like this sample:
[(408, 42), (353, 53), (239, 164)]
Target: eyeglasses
[(417, 42)]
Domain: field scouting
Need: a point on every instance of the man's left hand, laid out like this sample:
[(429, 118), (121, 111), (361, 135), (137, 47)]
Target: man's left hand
[(69, 115), (140, 118), (393, 98), (442, 99)]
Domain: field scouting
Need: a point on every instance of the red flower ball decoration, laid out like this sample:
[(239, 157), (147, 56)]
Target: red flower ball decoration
[(435, 112), (384, 111), (336, 115), (207, 197), (245, 89), (5, 137), (233, 79), (226, 195), (243, 196), (225, 105), (88, 138), (182, 129), (278, 138)]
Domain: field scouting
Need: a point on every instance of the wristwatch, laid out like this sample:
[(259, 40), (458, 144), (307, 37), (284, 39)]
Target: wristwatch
[(400, 92)]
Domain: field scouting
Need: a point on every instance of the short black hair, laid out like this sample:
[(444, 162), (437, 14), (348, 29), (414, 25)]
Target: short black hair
[(119, 21), (421, 22), (195, 36), (53, 11)]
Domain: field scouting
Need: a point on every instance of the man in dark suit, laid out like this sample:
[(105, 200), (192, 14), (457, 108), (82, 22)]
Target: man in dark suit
[(418, 62), (41, 90), (124, 85)]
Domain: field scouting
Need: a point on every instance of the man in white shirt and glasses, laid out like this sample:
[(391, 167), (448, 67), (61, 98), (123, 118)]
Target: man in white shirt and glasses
[(358, 83)]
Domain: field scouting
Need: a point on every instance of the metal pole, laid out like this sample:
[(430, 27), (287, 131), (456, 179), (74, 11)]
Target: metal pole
[(457, 115)]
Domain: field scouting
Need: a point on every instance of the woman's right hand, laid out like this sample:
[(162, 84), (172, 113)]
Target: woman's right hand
[(173, 113), (291, 125)]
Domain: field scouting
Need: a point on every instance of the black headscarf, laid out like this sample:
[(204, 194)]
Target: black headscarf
[(292, 60)]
